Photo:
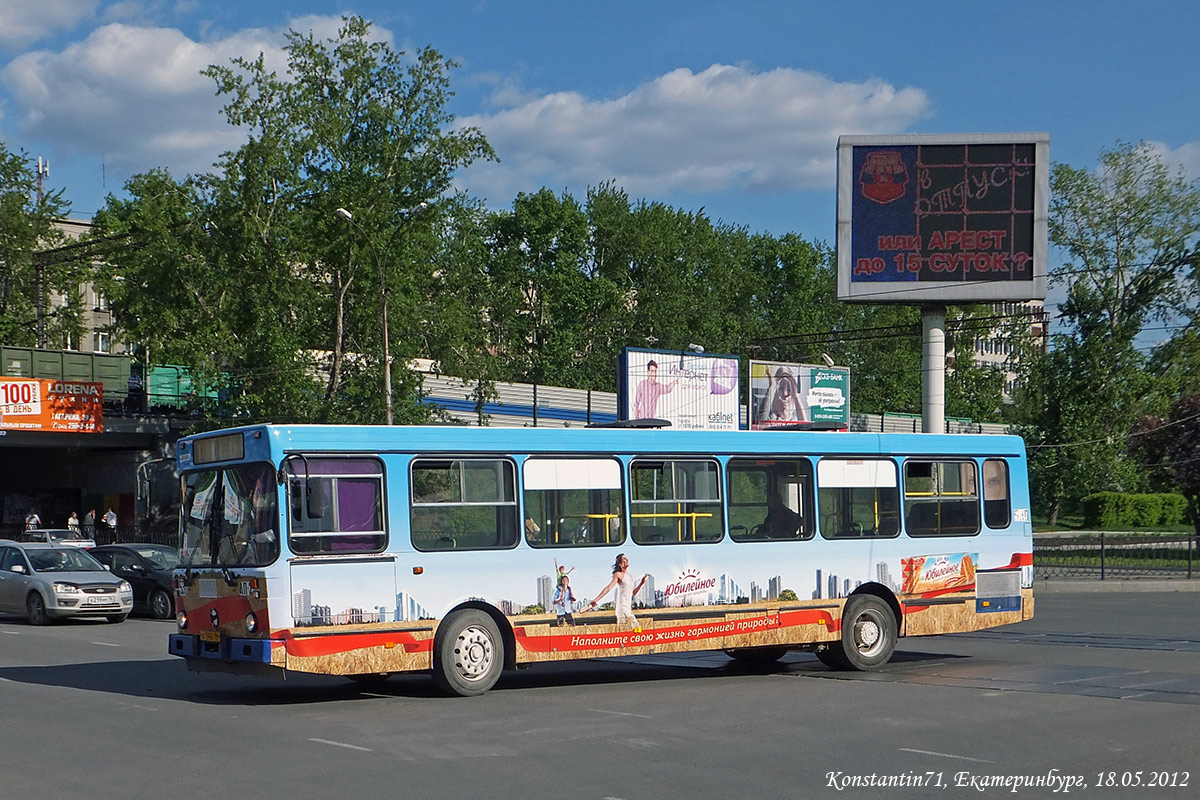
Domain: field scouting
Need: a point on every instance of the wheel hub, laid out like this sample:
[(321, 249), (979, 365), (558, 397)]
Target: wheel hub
[(473, 655)]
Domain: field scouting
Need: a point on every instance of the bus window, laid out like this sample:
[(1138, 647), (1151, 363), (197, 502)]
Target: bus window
[(336, 506), (463, 504), (858, 498), (769, 499), (997, 511), (941, 498), (675, 502), (572, 502)]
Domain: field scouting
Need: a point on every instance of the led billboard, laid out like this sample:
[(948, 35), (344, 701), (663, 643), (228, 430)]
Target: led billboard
[(942, 218)]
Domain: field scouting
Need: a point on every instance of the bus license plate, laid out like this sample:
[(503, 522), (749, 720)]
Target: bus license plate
[(210, 636)]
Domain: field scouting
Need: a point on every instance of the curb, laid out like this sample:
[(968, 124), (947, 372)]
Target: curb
[(1114, 585)]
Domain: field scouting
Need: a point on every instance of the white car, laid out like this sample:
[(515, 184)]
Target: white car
[(67, 536), (46, 582)]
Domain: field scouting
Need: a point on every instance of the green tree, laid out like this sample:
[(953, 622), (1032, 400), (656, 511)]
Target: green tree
[(1128, 231), (1169, 449), (31, 266), (295, 287)]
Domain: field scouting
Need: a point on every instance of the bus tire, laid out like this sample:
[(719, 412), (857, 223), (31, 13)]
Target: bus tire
[(757, 655), (869, 632), (468, 653), (832, 655)]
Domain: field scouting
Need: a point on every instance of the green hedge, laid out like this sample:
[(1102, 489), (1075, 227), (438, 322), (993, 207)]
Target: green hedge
[(1114, 510)]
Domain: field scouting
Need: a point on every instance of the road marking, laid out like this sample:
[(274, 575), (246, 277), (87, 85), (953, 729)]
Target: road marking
[(945, 755), (105, 644), (619, 713), (342, 744)]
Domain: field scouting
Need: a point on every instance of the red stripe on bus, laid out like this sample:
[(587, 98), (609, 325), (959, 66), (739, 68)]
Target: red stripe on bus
[(312, 646), (579, 637)]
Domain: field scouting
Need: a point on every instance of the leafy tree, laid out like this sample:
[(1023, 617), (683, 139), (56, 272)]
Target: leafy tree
[(1129, 231), (292, 307), (30, 265), (1169, 449)]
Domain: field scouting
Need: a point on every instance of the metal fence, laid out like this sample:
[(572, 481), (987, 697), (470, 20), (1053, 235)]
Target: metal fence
[(1117, 556), (102, 534)]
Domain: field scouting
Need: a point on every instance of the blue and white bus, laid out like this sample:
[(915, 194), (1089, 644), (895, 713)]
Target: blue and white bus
[(364, 550)]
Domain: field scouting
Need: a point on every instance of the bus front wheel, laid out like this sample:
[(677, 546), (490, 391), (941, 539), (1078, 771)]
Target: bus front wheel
[(468, 653), (869, 632)]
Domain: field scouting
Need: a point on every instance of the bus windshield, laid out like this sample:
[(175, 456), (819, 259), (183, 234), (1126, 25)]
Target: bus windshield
[(229, 516)]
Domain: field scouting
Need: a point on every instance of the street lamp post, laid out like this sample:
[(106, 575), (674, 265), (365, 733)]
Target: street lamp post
[(383, 305)]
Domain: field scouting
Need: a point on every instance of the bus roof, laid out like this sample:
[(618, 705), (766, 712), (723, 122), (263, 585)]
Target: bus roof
[(278, 440)]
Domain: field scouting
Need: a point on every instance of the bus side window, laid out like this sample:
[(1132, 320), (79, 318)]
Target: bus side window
[(858, 498), (572, 502), (769, 499), (463, 504), (336, 506), (941, 498), (675, 501)]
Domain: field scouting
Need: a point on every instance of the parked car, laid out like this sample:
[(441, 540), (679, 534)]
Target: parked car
[(148, 568), (65, 536), (46, 582)]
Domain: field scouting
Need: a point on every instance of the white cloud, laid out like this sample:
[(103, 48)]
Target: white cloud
[(1186, 157), (134, 95), (23, 22), (724, 129)]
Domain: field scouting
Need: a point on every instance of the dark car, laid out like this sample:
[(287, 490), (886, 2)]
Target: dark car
[(148, 568)]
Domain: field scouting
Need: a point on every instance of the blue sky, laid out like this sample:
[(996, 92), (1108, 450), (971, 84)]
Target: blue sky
[(733, 107)]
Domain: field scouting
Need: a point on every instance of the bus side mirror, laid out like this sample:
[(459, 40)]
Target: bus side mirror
[(314, 501)]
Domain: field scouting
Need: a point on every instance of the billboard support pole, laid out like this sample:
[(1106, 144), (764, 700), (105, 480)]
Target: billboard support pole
[(933, 369)]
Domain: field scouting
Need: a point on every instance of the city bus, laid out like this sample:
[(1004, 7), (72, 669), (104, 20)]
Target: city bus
[(365, 551)]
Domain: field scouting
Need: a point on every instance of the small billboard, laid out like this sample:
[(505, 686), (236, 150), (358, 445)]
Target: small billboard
[(37, 404), (783, 394), (691, 390), (942, 218)]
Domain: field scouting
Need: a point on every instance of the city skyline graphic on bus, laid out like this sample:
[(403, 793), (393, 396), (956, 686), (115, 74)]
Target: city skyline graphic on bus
[(354, 594)]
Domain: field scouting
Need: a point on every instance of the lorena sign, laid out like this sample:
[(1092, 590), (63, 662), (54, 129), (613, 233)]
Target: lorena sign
[(28, 404)]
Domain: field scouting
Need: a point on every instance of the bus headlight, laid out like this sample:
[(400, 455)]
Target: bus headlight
[(181, 619), (251, 622)]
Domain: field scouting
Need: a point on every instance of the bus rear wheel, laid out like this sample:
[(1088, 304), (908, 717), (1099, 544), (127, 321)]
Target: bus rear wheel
[(869, 633), (468, 654)]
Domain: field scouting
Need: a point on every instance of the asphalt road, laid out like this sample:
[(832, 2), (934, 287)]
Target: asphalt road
[(1101, 687)]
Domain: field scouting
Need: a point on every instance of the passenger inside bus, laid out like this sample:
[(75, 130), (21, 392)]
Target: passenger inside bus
[(781, 522)]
